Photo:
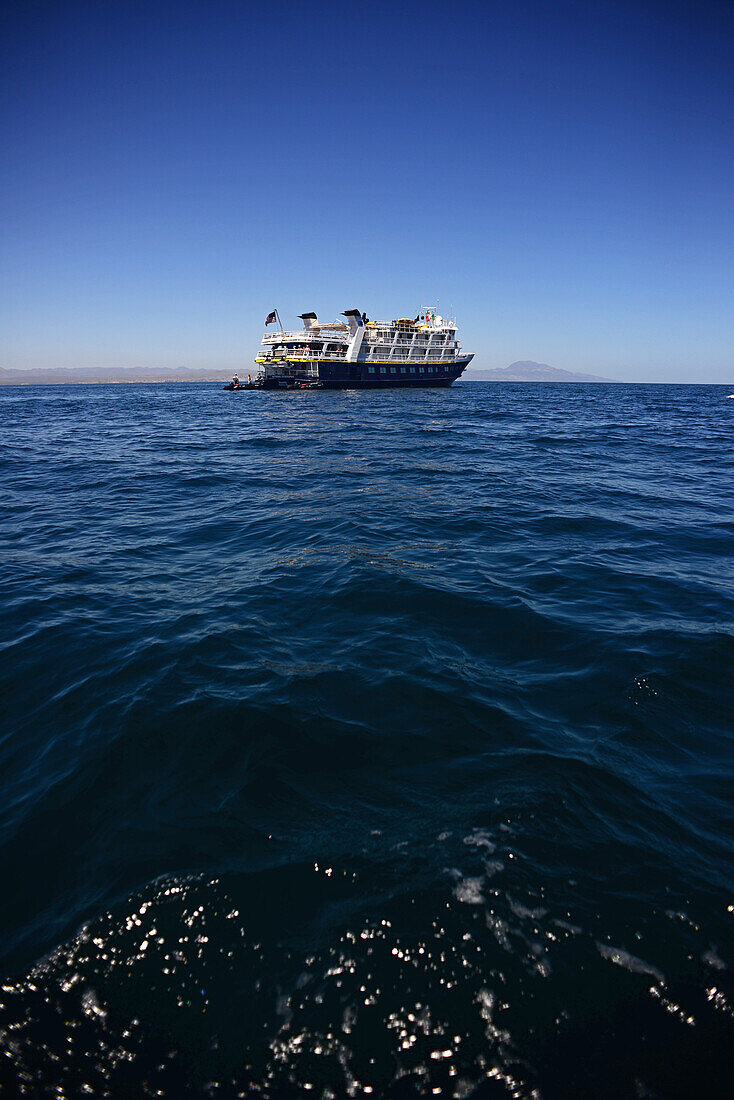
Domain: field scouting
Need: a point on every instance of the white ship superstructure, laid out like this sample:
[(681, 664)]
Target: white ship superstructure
[(359, 353)]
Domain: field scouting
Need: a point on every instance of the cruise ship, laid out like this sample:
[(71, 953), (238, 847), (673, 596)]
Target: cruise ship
[(358, 353)]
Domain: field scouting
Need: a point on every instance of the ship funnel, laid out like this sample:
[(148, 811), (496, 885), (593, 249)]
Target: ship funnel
[(354, 319), (310, 320)]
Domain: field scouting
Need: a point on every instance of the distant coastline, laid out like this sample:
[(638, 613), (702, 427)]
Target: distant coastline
[(528, 371), (522, 371), (60, 376)]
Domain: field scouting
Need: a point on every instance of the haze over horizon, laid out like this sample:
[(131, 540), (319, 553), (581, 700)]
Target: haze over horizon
[(518, 371), (558, 173)]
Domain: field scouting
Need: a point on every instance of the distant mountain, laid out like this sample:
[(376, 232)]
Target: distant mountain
[(63, 376), (527, 371)]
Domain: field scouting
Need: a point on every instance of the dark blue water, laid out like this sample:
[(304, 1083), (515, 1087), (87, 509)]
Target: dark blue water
[(362, 742)]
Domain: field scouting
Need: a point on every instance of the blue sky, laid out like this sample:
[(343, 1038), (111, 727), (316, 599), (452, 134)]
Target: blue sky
[(561, 173)]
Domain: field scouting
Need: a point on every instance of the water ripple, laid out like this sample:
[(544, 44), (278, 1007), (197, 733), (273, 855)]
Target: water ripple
[(375, 741)]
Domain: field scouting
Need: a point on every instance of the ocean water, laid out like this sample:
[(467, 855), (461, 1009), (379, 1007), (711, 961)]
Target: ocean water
[(367, 744)]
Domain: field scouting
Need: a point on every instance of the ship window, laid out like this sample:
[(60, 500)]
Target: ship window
[(371, 370), (383, 370), (393, 370)]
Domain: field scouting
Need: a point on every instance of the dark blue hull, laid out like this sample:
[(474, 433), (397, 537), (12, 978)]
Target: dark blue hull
[(365, 376)]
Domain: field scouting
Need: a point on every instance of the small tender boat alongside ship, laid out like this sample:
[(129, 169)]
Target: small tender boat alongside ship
[(359, 354)]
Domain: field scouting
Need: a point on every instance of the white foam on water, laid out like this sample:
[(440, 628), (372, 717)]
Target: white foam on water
[(711, 959), (500, 929), (523, 912), (91, 1006), (574, 929), (469, 890), (493, 866), (542, 964), (630, 962), (480, 838)]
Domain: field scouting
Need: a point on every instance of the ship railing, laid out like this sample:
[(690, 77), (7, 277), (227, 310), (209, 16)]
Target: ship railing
[(386, 353), (414, 326), (417, 345), (301, 352), (305, 334), (414, 356), (298, 334)]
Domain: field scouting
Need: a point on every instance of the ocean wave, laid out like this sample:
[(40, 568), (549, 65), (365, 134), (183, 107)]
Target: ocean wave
[(403, 720)]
